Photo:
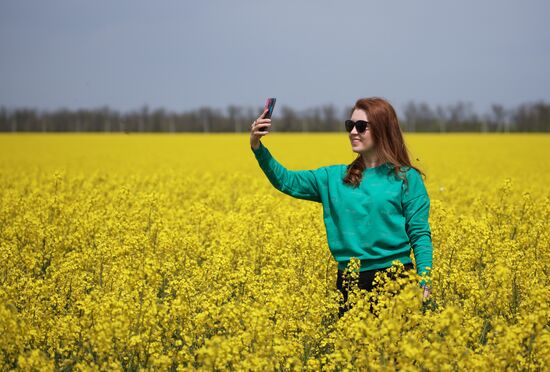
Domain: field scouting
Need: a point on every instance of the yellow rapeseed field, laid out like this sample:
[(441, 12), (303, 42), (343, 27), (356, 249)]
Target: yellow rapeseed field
[(156, 251)]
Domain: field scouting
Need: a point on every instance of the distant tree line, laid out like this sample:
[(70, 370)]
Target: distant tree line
[(417, 117)]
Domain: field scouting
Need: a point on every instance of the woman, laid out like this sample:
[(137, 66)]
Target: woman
[(376, 208)]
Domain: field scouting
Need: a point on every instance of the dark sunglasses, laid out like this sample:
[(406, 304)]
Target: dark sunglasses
[(361, 125)]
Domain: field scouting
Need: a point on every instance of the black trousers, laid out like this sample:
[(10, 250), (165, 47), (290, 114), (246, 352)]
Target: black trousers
[(365, 281)]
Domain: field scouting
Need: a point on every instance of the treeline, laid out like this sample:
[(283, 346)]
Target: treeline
[(417, 117)]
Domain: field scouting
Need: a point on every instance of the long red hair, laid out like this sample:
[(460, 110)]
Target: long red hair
[(387, 138)]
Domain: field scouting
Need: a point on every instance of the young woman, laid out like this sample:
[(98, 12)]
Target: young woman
[(376, 208)]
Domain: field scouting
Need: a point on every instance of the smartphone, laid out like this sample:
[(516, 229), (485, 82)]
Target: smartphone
[(270, 105)]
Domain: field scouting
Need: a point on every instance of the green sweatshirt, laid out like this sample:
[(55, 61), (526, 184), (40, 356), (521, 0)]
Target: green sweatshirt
[(378, 222)]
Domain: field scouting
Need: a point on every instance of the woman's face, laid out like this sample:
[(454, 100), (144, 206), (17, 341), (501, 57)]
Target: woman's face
[(360, 142)]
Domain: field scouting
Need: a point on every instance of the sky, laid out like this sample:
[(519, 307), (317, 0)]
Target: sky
[(182, 55)]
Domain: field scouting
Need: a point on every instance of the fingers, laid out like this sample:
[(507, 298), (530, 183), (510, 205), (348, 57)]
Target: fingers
[(261, 117), (256, 131), (261, 123), (263, 113)]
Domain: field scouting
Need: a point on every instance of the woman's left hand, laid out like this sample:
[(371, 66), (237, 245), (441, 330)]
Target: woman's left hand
[(426, 292)]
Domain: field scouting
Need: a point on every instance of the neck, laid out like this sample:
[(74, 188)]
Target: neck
[(370, 160)]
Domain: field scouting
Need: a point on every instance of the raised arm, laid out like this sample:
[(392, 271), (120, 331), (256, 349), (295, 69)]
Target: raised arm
[(416, 209), (301, 184)]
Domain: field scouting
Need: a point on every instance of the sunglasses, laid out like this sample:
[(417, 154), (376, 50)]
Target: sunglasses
[(361, 125)]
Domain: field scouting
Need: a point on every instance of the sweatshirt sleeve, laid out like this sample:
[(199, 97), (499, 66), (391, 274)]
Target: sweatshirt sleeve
[(301, 184), (416, 209)]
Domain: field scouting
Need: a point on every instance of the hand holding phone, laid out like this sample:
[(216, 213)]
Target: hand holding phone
[(260, 125), (269, 105)]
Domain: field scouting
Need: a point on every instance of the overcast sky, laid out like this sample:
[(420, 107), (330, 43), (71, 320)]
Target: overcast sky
[(182, 55)]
